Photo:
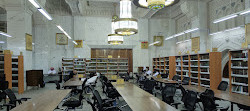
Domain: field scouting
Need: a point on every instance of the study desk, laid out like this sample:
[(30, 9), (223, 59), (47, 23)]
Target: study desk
[(140, 100), (165, 81), (47, 101), (73, 82), (228, 96)]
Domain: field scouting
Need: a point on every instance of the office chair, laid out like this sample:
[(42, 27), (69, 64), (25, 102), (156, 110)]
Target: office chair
[(247, 108), (72, 104), (149, 86), (223, 86), (168, 93), (189, 100), (3, 86), (103, 104), (83, 86), (185, 81), (110, 91), (91, 104), (209, 103), (13, 99), (175, 78)]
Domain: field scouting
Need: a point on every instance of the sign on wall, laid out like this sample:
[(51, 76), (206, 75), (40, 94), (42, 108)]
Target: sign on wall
[(79, 44), (61, 39), (195, 43), (28, 42), (144, 45), (247, 32)]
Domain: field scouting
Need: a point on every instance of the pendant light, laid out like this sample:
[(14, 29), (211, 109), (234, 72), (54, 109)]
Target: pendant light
[(126, 25), (114, 39), (155, 4)]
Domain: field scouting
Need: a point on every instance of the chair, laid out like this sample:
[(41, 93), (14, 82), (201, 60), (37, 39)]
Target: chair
[(72, 104), (103, 104), (247, 108), (185, 81), (189, 100), (149, 86), (91, 104), (209, 103), (58, 86), (175, 78), (13, 99), (223, 86), (168, 93), (3, 86), (110, 91), (83, 86)]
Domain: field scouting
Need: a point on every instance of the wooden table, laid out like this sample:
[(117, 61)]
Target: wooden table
[(73, 82), (225, 95), (140, 100), (47, 101), (165, 81)]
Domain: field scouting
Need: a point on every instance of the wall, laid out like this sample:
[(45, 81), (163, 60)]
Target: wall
[(92, 30)]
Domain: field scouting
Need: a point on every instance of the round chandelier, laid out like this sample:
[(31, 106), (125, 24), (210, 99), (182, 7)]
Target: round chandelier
[(155, 4), (126, 25), (114, 39)]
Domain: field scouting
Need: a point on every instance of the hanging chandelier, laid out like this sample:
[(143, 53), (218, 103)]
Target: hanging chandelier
[(114, 39), (126, 25), (155, 4)]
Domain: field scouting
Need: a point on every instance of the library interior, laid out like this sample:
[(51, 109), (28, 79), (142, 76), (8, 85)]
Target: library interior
[(124, 55)]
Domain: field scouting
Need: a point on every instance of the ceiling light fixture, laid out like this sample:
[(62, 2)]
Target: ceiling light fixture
[(155, 4), (60, 28), (226, 30), (35, 3), (225, 18), (183, 41), (45, 13), (114, 39), (2, 42), (126, 25), (74, 42), (7, 35)]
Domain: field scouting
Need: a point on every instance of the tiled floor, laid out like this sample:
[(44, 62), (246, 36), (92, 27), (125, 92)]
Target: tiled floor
[(33, 92)]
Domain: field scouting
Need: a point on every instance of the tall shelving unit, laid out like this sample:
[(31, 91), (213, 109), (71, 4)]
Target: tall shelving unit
[(67, 65), (122, 65), (178, 65), (7, 67), (194, 69), (80, 66), (203, 69), (161, 65), (238, 71), (91, 65)]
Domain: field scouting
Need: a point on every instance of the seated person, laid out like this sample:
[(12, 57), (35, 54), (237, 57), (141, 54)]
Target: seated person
[(156, 73), (92, 80), (72, 74), (98, 74), (52, 71), (148, 72)]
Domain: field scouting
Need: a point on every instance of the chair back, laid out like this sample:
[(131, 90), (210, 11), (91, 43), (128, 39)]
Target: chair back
[(208, 102), (84, 82), (4, 85), (149, 85), (190, 100), (98, 99), (175, 78), (11, 96), (91, 104), (223, 86), (57, 84), (168, 93), (185, 81)]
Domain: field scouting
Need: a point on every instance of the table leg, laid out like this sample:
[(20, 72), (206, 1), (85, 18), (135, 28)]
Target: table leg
[(232, 108)]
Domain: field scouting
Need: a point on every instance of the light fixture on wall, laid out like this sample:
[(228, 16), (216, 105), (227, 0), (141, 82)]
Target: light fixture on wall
[(235, 28), (4, 34), (155, 4), (182, 33), (183, 41), (126, 25), (74, 42), (2, 42), (114, 39), (60, 28), (40, 9), (156, 42), (242, 13)]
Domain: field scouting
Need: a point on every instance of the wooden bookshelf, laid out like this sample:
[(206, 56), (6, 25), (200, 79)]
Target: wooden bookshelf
[(238, 71), (8, 68), (20, 74), (80, 66), (203, 69), (67, 65)]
